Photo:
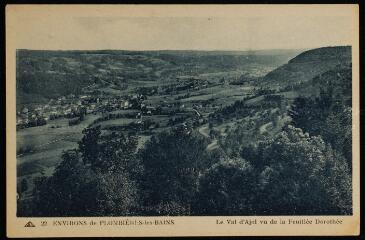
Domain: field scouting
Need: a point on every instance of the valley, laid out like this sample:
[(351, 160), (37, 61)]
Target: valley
[(231, 100)]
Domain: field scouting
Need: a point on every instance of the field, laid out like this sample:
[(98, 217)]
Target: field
[(43, 146)]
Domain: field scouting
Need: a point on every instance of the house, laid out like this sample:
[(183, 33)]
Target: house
[(125, 104)]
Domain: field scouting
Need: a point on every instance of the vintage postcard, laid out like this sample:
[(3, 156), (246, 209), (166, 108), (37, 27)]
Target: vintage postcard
[(182, 120)]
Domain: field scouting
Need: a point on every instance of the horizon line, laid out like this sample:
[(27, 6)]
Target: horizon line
[(187, 50)]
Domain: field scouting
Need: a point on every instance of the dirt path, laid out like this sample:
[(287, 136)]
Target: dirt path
[(204, 130)]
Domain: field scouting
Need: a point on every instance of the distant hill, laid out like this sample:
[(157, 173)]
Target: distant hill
[(308, 65), (42, 75)]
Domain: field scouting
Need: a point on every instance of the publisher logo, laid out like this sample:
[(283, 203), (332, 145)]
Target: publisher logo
[(29, 224)]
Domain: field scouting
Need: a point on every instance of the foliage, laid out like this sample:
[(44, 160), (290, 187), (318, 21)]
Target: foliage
[(291, 174), (88, 145), (299, 174), (227, 188), (34, 122), (107, 153), (329, 115), (172, 162), (91, 185)]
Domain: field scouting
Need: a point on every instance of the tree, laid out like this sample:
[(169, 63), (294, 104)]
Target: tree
[(97, 183), (88, 145), (241, 136), (307, 115), (76, 190), (109, 194), (299, 174), (172, 162), (327, 116), (116, 152), (59, 195), (82, 117), (227, 188), (292, 174), (337, 130)]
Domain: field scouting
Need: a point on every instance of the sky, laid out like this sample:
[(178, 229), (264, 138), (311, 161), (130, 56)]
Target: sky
[(249, 29)]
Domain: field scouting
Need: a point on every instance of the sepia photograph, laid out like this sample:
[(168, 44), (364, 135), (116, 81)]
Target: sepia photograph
[(148, 111)]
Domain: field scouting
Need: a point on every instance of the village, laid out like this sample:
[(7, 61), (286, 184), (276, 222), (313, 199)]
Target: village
[(110, 106), (72, 107)]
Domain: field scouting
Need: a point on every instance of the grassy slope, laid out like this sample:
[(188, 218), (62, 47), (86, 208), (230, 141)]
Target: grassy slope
[(48, 143), (316, 69)]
